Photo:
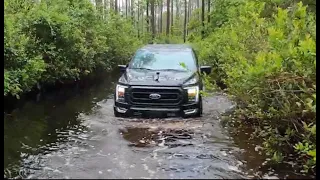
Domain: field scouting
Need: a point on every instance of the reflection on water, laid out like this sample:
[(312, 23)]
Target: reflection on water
[(72, 133), (40, 127)]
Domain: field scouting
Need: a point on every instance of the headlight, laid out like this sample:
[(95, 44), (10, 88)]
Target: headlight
[(193, 93), (191, 81), (120, 90)]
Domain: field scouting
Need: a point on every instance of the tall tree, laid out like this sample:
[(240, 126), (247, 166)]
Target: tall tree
[(148, 30), (185, 21), (142, 18), (152, 19), (161, 10), (168, 18), (127, 8), (202, 19), (138, 27), (198, 7), (156, 12), (177, 14), (158, 15), (189, 10), (209, 4), (188, 15), (171, 21), (116, 6), (132, 12), (177, 9)]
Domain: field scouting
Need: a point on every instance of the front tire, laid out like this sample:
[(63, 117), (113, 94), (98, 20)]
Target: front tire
[(117, 114), (199, 113)]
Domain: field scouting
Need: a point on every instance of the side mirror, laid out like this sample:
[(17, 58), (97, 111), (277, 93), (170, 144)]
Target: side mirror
[(205, 69), (122, 68)]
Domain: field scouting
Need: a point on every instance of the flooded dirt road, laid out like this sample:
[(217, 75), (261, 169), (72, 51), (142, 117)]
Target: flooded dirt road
[(73, 134)]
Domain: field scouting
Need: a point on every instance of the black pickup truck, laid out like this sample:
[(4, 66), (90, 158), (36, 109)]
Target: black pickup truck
[(160, 78)]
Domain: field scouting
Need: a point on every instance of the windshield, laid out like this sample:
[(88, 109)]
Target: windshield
[(163, 60)]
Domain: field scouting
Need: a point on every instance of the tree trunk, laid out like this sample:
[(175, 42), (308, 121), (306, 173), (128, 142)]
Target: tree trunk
[(147, 15), (202, 19), (161, 10), (189, 10), (177, 16), (156, 14), (209, 4), (177, 9), (132, 12), (152, 19), (185, 21), (126, 8), (116, 6), (138, 27), (171, 16), (168, 18), (188, 15), (142, 19)]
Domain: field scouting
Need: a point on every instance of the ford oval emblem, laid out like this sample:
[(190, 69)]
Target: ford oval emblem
[(154, 96)]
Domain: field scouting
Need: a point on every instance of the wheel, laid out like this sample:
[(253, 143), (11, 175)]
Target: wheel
[(199, 113), (117, 114)]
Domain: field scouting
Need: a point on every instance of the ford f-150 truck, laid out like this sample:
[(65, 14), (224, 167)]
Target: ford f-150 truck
[(162, 78)]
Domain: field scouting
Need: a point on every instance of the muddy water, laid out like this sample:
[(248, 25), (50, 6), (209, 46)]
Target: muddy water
[(73, 134)]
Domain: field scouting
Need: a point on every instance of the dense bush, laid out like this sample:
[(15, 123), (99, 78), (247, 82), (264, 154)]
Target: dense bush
[(269, 63), (50, 41)]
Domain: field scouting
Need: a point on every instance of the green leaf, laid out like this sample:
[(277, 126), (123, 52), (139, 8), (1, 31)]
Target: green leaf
[(299, 146), (313, 130), (183, 65), (312, 153)]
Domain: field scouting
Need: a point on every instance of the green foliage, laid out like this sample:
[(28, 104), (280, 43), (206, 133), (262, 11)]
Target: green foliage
[(49, 41), (268, 62), (162, 39), (307, 148)]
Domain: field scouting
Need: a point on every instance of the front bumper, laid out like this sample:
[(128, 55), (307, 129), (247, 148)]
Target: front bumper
[(131, 110)]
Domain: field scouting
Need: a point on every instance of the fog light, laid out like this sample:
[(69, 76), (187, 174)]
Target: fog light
[(190, 111), (121, 110)]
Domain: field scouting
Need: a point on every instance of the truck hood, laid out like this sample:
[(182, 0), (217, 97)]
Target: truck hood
[(142, 77)]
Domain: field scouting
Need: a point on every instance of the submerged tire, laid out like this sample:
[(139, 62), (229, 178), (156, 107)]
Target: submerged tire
[(117, 114), (200, 110), (199, 113)]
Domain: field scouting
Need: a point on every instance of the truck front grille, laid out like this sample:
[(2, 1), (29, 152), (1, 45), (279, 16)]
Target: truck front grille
[(170, 96)]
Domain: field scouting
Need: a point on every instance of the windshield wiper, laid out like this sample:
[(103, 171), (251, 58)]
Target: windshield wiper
[(171, 70), (144, 69), (160, 69)]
